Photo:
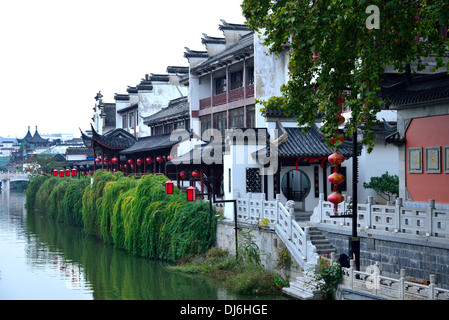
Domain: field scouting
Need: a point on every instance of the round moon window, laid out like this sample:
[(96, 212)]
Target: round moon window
[(295, 185)]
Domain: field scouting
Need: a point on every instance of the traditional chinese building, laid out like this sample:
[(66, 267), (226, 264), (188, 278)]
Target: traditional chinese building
[(35, 140), (221, 84), (422, 135), (151, 95)]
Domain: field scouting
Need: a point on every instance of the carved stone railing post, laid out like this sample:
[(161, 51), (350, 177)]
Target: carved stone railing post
[(402, 285), (432, 286), (429, 218), (351, 273)]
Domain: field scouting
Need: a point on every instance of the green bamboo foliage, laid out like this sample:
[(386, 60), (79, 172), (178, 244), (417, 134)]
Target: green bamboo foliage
[(132, 214)]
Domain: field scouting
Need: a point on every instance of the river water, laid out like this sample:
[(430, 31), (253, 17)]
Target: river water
[(41, 259)]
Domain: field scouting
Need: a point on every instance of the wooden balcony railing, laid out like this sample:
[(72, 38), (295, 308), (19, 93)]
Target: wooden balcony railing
[(234, 95)]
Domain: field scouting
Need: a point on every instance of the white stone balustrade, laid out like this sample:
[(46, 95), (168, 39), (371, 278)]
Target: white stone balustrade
[(254, 209), (371, 281), (425, 221)]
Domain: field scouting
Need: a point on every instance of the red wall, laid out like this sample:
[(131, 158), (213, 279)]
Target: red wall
[(428, 132)]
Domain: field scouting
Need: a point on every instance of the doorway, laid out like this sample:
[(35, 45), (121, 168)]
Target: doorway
[(295, 185)]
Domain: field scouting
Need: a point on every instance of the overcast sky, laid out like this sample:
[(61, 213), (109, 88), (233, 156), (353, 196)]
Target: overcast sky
[(55, 55)]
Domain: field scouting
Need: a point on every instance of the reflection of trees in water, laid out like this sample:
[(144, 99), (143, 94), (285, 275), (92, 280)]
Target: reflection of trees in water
[(111, 273)]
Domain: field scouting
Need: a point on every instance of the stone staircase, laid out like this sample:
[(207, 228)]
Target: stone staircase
[(320, 241), (303, 287)]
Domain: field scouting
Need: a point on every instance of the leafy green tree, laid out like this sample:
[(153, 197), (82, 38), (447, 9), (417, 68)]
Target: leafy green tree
[(45, 163), (386, 186), (332, 49)]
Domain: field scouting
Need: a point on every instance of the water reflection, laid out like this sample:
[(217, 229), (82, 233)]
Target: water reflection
[(44, 259)]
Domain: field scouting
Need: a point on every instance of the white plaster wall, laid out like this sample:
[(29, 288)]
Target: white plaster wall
[(270, 72), (383, 158), (237, 160), (150, 102), (119, 105)]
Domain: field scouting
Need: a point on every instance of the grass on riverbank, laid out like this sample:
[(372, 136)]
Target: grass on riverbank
[(239, 275)]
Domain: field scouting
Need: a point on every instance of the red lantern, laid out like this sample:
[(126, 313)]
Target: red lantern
[(55, 173), (169, 187), (336, 178), (67, 172), (340, 100), (74, 172), (149, 160), (97, 160), (335, 198), (121, 166), (183, 174), (130, 161), (114, 160), (196, 174), (341, 119), (170, 158), (191, 194), (159, 159), (61, 173), (336, 158), (132, 166), (139, 161), (106, 160)]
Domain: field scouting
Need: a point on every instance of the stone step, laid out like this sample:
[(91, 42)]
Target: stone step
[(302, 215), (320, 241), (302, 288)]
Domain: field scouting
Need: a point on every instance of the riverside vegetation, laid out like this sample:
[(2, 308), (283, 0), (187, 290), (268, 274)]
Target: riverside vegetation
[(136, 215), (132, 214)]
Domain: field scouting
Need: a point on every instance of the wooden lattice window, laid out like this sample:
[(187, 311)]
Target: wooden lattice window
[(253, 180)]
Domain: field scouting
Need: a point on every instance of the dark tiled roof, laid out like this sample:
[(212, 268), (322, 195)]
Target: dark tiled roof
[(178, 108), (82, 151), (150, 143), (87, 141), (27, 137), (195, 54), (37, 138), (203, 154), (145, 84), (121, 96), (128, 108), (115, 139), (208, 39), (176, 69), (417, 90), (245, 45), (232, 26), (311, 144)]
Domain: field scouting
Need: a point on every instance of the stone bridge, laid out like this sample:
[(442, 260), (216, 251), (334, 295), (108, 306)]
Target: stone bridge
[(8, 178)]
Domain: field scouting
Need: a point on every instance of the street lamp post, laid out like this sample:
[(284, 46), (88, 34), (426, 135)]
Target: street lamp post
[(354, 241)]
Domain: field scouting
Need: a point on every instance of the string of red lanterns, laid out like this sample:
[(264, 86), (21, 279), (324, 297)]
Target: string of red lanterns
[(65, 173), (336, 159)]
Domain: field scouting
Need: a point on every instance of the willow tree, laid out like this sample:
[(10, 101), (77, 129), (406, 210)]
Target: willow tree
[(339, 49)]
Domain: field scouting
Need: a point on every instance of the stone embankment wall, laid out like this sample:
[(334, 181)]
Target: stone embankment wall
[(270, 246), (420, 256)]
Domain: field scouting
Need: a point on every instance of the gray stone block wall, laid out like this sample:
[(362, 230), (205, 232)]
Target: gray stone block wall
[(420, 257), (268, 242)]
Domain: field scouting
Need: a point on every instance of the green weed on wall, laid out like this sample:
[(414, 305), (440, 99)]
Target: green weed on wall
[(132, 214)]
